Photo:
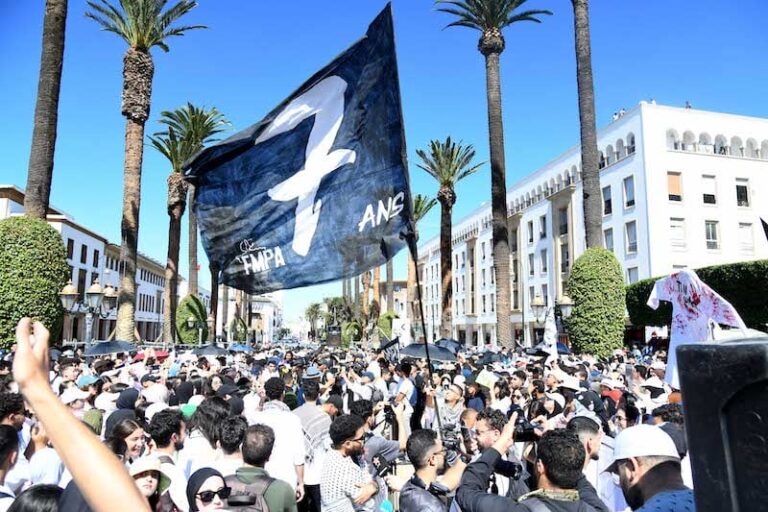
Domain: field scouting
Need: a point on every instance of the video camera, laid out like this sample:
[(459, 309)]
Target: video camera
[(525, 430)]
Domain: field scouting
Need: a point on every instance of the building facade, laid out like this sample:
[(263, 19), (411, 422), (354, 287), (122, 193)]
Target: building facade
[(91, 256), (262, 314), (680, 188)]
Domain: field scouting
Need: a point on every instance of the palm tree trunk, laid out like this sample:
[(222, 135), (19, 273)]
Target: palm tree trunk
[(357, 297), (390, 286), (192, 242), (446, 274), (138, 70), (411, 290), (177, 200), (214, 268), (377, 287), (40, 171), (593, 219), (225, 312), (498, 202)]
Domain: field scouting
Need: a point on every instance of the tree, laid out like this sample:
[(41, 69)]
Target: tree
[(596, 285), (376, 288), (142, 24), (200, 125), (490, 17), (590, 172), (33, 270), (189, 128), (390, 286), (312, 314), (421, 207), (448, 162), (40, 171), (191, 307)]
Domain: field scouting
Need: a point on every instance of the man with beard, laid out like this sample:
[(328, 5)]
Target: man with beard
[(344, 485), (427, 454), (591, 436), (648, 465), (168, 431), (509, 476)]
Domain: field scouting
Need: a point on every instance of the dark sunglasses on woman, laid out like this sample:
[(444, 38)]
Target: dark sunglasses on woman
[(207, 496)]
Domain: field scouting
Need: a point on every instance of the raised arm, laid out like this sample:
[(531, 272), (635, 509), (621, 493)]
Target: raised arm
[(78, 448)]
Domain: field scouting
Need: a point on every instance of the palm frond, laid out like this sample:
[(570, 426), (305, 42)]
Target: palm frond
[(196, 124), (448, 162), (486, 15), (175, 147), (422, 205)]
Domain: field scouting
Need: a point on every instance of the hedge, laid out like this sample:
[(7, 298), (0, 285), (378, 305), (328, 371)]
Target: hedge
[(191, 306), (744, 285), (238, 330), (385, 323), (33, 270), (596, 286)]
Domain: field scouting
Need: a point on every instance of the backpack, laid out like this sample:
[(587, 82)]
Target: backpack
[(415, 395), (248, 497), (376, 395)]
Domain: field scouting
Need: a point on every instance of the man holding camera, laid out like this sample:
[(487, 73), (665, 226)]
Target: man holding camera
[(559, 462), (509, 476)]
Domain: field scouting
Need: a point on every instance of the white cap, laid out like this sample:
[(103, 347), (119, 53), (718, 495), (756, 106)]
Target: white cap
[(642, 441), (556, 397), (608, 382), (658, 365), (570, 382), (73, 394)]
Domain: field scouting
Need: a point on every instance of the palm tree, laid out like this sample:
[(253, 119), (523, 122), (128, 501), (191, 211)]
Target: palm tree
[(40, 171), (390, 286), (366, 278), (421, 207), (448, 162), (142, 24), (376, 287), (312, 314), (177, 149), (490, 17), (200, 125), (593, 218)]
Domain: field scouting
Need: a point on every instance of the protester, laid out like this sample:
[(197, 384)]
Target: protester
[(207, 491), (167, 431), (231, 439), (316, 425), (38, 498)]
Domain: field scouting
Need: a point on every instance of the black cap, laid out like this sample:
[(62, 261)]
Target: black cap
[(148, 377)]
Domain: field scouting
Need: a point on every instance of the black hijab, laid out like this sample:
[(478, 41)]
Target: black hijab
[(127, 399), (195, 482)]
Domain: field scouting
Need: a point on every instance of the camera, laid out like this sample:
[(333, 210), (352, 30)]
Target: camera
[(525, 430), (451, 439)]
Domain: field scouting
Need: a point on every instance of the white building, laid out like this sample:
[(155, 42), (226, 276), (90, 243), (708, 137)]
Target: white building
[(263, 314), (680, 188), (91, 256)]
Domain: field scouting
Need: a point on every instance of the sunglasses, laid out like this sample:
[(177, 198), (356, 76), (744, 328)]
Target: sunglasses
[(207, 496), (360, 440)]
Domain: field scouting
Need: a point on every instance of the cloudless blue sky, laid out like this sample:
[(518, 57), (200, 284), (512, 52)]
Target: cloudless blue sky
[(256, 52)]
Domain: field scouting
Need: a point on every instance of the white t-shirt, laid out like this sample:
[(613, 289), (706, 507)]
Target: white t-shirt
[(45, 467), (406, 387), (288, 451)]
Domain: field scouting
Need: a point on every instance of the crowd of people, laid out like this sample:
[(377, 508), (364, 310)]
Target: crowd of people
[(332, 430)]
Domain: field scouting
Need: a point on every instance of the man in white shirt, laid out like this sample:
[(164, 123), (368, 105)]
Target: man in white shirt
[(405, 392), (9, 451), (287, 460)]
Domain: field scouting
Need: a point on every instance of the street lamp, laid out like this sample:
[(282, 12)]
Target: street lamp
[(541, 311), (98, 300), (191, 323)]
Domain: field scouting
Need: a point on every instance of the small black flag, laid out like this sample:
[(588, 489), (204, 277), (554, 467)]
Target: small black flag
[(765, 227), (391, 349), (317, 190)]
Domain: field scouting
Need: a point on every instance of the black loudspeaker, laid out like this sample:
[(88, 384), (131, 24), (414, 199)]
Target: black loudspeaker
[(333, 336), (725, 402)]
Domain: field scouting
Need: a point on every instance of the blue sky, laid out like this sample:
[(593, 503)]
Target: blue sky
[(256, 52)]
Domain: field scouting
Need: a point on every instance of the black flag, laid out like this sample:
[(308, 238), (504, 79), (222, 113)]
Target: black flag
[(765, 227), (317, 190), (391, 349)]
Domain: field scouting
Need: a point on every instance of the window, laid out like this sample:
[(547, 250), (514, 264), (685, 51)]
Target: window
[(515, 271), (463, 287), (607, 206), (493, 303), (530, 264), (82, 275), (742, 192), (543, 256), (746, 242), (543, 227), (70, 248), (513, 240), (565, 258), (709, 190), (711, 228), (545, 294), (608, 239), (482, 250), (632, 276), (562, 221), (630, 235), (463, 259), (531, 294), (677, 231), (83, 253), (674, 186), (629, 191), (456, 266), (96, 258), (493, 275), (530, 231), (483, 304), (483, 277)]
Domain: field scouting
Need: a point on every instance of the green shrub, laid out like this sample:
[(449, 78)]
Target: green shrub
[(238, 330), (191, 306), (350, 332), (744, 285), (33, 270), (596, 286), (385, 323)]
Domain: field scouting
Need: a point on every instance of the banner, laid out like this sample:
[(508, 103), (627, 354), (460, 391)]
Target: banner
[(318, 190), (391, 349)]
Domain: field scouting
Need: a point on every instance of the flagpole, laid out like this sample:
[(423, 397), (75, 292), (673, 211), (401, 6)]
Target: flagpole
[(415, 255)]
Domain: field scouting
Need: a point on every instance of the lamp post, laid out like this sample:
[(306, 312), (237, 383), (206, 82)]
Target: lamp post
[(541, 311), (191, 323), (98, 301)]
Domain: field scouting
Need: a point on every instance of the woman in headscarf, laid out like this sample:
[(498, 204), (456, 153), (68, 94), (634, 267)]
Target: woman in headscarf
[(207, 491), (126, 410)]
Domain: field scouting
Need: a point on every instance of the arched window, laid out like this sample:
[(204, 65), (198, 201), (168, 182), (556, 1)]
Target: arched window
[(559, 184), (721, 145), (620, 150), (752, 150), (609, 156), (764, 150), (737, 146), (689, 141), (673, 139), (705, 143), (601, 161), (630, 143)]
